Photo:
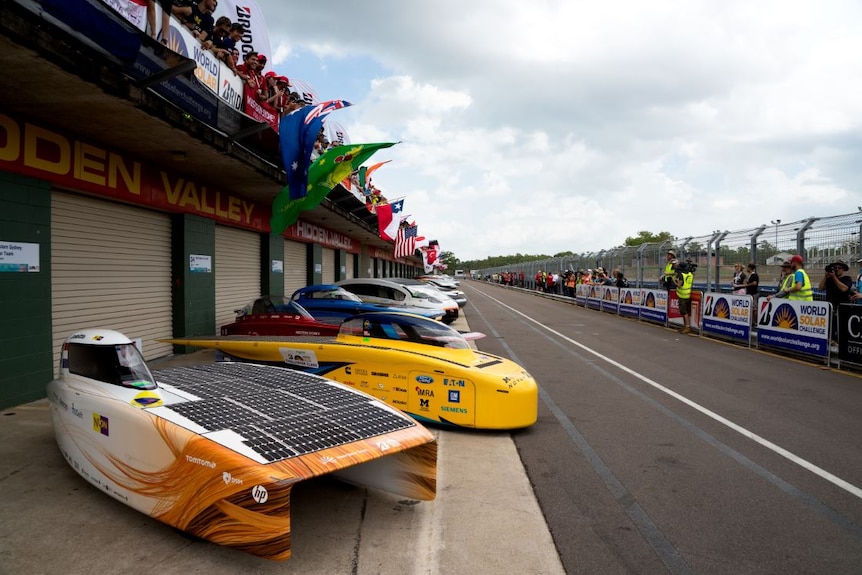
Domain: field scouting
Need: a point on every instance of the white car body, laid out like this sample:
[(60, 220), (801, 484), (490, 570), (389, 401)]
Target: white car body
[(377, 290)]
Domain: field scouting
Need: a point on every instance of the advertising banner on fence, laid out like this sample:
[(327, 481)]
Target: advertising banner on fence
[(610, 299), (798, 326), (727, 316), (594, 300), (850, 333), (630, 302), (673, 315), (654, 305), (582, 292)]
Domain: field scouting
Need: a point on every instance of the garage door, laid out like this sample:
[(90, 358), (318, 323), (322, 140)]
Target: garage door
[(295, 266), (328, 268), (110, 268), (348, 262), (237, 269)]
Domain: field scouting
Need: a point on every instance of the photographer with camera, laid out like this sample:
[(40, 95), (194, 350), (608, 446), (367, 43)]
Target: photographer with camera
[(838, 288), (682, 279)]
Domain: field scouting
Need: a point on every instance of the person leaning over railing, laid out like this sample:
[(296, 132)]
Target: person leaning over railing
[(799, 287)]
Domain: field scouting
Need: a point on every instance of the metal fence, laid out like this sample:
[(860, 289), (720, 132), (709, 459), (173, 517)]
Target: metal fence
[(820, 241)]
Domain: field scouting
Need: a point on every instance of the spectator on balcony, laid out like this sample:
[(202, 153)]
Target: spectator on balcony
[(220, 31), (250, 72), (167, 9), (198, 18), (281, 96), (224, 46)]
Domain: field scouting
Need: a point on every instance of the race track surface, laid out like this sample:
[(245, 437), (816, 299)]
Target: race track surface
[(657, 452)]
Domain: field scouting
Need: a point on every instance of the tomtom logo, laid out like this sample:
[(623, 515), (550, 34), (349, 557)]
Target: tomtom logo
[(199, 461), (424, 379), (259, 494)]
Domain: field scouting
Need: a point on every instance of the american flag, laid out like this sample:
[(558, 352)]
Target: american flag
[(405, 241)]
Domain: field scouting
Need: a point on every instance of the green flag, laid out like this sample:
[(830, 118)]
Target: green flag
[(325, 173)]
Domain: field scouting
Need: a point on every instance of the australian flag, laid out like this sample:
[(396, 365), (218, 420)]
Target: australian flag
[(297, 133)]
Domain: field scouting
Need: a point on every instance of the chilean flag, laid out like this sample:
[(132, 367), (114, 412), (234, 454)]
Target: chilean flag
[(388, 219)]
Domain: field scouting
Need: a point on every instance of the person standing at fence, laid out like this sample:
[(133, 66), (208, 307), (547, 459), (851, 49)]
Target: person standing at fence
[(838, 288), (785, 280), (797, 286), (683, 279), (739, 279), (752, 281), (801, 288), (667, 278)]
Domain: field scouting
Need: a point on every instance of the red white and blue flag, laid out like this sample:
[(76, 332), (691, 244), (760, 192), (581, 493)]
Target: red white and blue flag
[(297, 133), (389, 218), (405, 241)]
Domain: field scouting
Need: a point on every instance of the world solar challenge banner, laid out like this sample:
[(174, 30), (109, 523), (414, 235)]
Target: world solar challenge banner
[(594, 299), (630, 302), (727, 316), (582, 292), (798, 326), (654, 305), (610, 299)]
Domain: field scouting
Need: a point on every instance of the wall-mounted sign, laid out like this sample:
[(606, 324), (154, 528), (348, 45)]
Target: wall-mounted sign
[(19, 257), (277, 266), (200, 264)]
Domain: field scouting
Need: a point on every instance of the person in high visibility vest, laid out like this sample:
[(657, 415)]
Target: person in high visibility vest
[(796, 286), (683, 279), (667, 278)]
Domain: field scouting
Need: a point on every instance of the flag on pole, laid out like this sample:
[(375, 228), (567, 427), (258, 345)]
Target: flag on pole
[(297, 133), (325, 173), (405, 241), (388, 219)]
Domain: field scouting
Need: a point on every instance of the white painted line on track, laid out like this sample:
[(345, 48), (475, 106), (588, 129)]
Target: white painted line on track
[(835, 480)]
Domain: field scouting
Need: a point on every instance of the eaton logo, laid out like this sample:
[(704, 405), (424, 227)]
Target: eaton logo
[(424, 379)]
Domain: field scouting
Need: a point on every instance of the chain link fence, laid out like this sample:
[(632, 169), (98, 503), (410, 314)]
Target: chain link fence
[(820, 241)]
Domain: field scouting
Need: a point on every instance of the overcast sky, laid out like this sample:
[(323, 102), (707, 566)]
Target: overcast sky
[(545, 126)]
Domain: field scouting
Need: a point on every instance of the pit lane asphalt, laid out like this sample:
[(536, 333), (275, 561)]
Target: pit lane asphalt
[(485, 520), (657, 452)]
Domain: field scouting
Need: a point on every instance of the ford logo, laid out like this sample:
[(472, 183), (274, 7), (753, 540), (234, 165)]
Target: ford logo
[(424, 379)]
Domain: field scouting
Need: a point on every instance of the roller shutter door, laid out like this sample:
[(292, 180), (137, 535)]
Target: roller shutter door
[(295, 266), (348, 262), (237, 270), (110, 268), (327, 256)]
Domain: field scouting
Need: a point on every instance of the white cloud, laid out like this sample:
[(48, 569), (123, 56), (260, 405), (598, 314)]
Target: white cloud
[(568, 125)]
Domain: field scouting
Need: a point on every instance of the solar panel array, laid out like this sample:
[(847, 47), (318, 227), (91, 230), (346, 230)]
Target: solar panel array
[(281, 413)]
